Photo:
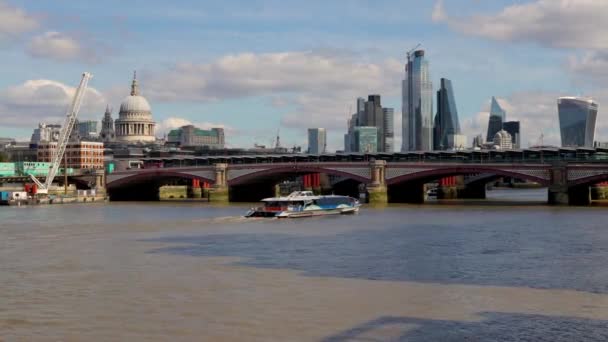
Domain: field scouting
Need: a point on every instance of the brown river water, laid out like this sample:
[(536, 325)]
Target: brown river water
[(196, 272)]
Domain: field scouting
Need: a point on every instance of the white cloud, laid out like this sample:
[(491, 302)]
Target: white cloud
[(551, 23), (34, 101), (314, 88), (14, 21), (438, 14), (60, 47), (592, 66), (248, 74)]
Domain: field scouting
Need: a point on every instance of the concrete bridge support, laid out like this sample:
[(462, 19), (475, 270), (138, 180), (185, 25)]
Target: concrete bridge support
[(220, 192), (376, 189), (561, 193), (100, 181)]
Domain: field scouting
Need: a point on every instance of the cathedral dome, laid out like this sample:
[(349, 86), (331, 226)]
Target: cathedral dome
[(135, 123), (135, 103)]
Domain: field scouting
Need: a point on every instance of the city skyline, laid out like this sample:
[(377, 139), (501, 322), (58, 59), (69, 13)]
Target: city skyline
[(215, 84)]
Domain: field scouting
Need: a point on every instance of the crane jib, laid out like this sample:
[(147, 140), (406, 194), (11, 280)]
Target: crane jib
[(64, 135)]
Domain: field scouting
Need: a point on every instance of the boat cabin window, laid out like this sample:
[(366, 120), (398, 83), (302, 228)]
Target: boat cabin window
[(333, 201)]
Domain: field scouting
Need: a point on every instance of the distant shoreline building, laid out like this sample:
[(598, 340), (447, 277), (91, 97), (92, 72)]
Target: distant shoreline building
[(502, 140), (79, 155), (190, 136), (577, 118)]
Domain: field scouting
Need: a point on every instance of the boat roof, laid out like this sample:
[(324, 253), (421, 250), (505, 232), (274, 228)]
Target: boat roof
[(293, 197), (298, 196)]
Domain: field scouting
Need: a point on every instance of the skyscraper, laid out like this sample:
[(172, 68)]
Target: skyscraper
[(88, 130), (577, 118), (389, 128), (497, 117), (371, 114), (446, 119), (366, 139), (513, 127), (417, 104), (317, 140)]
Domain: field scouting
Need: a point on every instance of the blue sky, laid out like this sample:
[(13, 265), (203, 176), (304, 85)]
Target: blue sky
[(257, 66)]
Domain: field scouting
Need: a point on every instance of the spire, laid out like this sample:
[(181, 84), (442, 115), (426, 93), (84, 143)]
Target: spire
[(108, 111), (134, 86)]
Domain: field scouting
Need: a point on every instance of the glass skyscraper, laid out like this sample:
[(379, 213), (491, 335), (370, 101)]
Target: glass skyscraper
[(317, 140), (389, 128), (366, 139), (497, 117), (446, 119), (577, 118), (417, 105), (513, 128)]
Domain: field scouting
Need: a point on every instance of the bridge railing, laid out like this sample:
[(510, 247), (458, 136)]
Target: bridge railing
[(460, 157)]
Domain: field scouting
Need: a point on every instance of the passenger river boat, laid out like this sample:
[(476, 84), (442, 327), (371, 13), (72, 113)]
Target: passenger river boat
[(305, 204)]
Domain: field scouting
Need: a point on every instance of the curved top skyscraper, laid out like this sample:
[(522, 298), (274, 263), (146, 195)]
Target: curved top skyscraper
[(446, 119), (417, 105), (497, 117), (577, 118)]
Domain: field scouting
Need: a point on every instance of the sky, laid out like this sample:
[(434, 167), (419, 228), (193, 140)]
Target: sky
[(258, 67)]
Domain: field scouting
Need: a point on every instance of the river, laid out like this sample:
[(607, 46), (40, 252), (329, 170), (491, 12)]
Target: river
[(197, 272)]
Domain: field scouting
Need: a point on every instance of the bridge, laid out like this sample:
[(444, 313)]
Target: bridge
[(397, 177)]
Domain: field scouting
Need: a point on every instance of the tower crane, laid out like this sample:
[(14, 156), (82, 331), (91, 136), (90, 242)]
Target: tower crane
[(64, 135), (409, 53)]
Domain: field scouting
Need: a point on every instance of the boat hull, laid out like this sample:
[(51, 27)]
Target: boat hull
[(321, 212)]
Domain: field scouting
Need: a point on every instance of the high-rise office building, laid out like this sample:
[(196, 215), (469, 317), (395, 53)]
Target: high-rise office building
[(497, 117), (513, 128), (417, 104), (88, 130), (317, 140), (389, 129), (446, 119), (373, 116), (577, 118), (366, 139)]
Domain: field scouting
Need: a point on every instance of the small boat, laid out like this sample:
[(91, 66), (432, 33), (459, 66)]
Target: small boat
[(305, 204)]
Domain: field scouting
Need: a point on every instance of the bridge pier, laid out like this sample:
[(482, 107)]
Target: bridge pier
[(564, 195), (220, 192), (376, 189), (100, 181)]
